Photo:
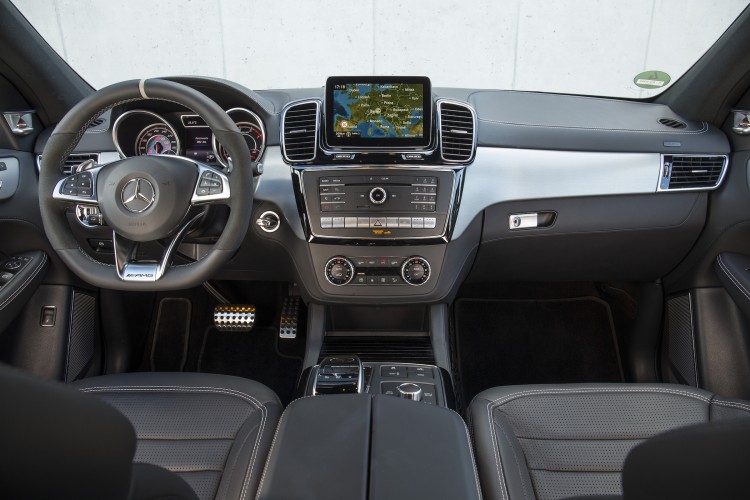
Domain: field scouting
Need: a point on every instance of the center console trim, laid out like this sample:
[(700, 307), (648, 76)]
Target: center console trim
[(444, 236)]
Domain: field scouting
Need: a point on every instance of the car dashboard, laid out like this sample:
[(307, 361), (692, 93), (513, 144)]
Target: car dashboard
[(500, 186)]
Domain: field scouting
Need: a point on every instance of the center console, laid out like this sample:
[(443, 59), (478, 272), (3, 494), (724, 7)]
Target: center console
[(361, 446), (346, 374)]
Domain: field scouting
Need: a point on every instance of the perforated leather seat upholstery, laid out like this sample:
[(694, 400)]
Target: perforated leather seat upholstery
[(212, 430), (562, 441)]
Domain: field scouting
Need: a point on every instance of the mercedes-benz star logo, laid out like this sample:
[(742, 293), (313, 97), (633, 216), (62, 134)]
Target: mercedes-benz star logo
[(137, 195)]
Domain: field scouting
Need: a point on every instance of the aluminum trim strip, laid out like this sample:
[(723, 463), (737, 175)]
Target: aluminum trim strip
[(499, 175)]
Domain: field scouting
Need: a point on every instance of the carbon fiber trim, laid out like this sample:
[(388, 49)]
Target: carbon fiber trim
[(81, 336), (681, 339)]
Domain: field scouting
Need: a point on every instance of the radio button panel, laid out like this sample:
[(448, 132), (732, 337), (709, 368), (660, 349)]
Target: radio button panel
[(371, 203)]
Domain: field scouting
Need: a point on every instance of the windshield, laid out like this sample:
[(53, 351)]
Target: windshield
[(634, 49)]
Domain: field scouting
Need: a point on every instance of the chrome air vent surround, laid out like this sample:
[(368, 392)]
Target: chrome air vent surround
[(692, 172), (457, 131), (300, 123)]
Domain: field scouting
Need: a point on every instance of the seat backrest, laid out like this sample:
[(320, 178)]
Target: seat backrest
[(60, 443), (696, 462)]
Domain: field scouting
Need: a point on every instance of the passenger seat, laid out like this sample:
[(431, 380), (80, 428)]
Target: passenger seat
[(568, 441)]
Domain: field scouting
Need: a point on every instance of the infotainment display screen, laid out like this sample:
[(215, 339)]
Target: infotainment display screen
[(365, 112)]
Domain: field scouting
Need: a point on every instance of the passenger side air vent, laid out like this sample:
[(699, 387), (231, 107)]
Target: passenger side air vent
[(300, 131), (692, 171), (457, 127), (72, 161), (672, 123)]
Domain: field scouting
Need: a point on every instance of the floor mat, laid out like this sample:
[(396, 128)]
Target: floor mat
[(507, 342), (252, 355)]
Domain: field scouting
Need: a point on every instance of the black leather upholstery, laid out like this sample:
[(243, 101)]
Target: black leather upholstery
[(369, 447), (560, 441), (691, 463), (60, 443), (212, 430), (732, 269)]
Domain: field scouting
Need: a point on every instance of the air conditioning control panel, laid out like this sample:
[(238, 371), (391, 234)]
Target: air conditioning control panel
[(379, 271)]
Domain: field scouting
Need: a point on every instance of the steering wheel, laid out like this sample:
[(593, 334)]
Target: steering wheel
[(145, 198)]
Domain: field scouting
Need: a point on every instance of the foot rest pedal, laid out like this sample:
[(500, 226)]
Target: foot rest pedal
[(234, 317), (288, 322)]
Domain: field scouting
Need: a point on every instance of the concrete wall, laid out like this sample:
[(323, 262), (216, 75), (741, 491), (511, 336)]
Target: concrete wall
[(577, 46)]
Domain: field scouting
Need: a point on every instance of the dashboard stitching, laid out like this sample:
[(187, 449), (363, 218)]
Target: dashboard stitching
[(704, 128)]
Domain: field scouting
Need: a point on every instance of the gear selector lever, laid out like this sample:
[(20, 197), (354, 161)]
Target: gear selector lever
[(339, 375)]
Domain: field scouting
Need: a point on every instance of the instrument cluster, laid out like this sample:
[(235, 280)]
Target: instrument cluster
[(142, 132)]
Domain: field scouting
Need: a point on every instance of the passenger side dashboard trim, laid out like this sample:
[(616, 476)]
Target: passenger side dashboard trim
[(502, 174)]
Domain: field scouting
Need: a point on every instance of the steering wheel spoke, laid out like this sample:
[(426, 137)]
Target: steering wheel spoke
[(212, 186), (79, 187), (129, 268)]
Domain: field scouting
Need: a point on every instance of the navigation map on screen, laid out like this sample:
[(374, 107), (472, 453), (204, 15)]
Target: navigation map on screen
[(378, 110)]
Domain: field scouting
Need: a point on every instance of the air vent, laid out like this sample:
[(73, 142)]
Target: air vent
[(300, 131), (96, 122), (692, 171), (672, 123), (72, 161), (457, 126), (386, 349)]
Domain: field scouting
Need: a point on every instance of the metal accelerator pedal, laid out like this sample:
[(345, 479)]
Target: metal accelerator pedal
[(289, 313), (234, 317)]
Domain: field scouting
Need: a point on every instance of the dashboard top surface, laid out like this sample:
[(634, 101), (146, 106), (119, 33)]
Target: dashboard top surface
[(505, 119)]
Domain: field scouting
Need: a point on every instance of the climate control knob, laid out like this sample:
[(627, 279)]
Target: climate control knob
[(416, 270), (339, 271), (378, 195)]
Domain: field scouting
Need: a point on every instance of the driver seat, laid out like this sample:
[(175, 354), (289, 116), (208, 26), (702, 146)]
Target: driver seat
[(213, 431)]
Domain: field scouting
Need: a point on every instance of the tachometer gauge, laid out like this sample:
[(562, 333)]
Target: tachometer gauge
[(254, 138), (157, 139)]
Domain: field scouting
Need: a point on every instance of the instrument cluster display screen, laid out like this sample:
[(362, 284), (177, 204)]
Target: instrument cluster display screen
[(378, 112)]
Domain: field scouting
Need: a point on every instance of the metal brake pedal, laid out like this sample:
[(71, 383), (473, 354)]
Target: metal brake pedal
[(289, 313), (234, 317)]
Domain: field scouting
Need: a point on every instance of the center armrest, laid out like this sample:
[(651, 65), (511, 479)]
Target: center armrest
[(362, 446)]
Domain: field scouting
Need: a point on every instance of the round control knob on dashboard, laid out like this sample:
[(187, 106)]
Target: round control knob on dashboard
[(410, 391), (415, 271), (339, 271), (378, 195)]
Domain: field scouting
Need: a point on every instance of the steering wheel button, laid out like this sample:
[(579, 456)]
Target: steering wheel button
[(84, 191), (203, 191), (214, 190)]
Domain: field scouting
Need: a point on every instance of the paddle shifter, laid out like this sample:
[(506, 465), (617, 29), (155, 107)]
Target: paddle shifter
[(339, 375)]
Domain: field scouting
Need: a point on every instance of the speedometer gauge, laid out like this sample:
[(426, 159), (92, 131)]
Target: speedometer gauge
[(251, 128), (157, 139), (253, 137)]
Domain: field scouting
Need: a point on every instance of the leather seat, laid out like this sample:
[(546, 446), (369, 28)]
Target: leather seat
[(214, 431), (562, 441)]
